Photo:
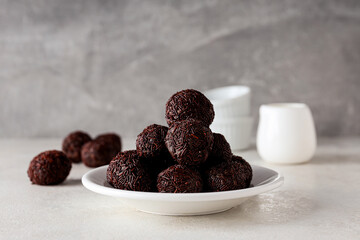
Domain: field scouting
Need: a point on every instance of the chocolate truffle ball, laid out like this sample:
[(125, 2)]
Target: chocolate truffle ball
[(221, 151), (179, 179), (72, 144), (151, 141), (189, 142), (97, 153), (127, 172), (246, 173), (189, 104), (229, 176), (112, 140), (109, 137), (49, 168), (150, 145)]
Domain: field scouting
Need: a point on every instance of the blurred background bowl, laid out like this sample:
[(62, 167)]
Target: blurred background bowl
[(230, 101), (237, 131)]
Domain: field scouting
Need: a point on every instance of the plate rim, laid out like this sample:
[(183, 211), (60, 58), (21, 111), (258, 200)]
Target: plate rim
[(272, 183)]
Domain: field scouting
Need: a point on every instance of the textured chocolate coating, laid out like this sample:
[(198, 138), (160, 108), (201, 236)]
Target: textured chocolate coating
[(189, 104), (127, 172), (49, 168), (97, 153), (231, 175), (179, 179), (112, 139), (150, 145), (189, 142), (154, 165), (246, 172), (221, 151), (72, 144), (151, 141)]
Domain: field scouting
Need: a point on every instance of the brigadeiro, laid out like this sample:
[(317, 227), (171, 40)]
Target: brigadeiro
[(227, 176), (110, 138), (179, 179), (113, 141), (49, 168), (127, 172), (189, 104), (150, 145), (72, 144), (189, 142), (246, 172), (221, 151), (97, 153), (151, 141)]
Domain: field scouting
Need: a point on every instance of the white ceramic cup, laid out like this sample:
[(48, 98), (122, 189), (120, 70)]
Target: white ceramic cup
[(286, 133)]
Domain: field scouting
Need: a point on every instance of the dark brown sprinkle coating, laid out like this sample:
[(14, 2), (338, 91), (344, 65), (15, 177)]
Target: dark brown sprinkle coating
[(113, 141), (168, 160), (179, 179), (229, 176), (49, 168), (151, 141), (97, 153), (246, 170), (155, 165), (72, 144), (189, 104), (127, 172), (221, 151), (150, 145), (189, 142)]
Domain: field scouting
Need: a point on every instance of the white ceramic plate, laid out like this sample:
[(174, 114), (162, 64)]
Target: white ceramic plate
[(264, 180)]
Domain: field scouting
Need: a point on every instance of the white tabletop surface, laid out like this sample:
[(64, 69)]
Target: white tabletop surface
[(319, 200)]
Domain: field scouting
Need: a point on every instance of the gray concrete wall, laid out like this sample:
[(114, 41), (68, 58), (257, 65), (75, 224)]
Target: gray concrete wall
[(111, 65)]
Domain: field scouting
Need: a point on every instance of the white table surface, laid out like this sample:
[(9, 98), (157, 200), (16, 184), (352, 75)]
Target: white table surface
[(319, 200)]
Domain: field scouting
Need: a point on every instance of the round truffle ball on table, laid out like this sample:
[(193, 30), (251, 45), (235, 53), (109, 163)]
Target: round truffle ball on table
[(189, 104), (179, 179), (73, 143), (189, 142), (127, 172), (113, 141), (49, 168), (227, 176), (97, 153)]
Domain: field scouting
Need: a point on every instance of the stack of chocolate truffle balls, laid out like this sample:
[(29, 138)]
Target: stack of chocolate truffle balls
[(52, 167), (185, 157)]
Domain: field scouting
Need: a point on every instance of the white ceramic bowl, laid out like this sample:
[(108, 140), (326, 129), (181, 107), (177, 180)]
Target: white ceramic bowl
[(264, 180), (230, 101), (237, 131)]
